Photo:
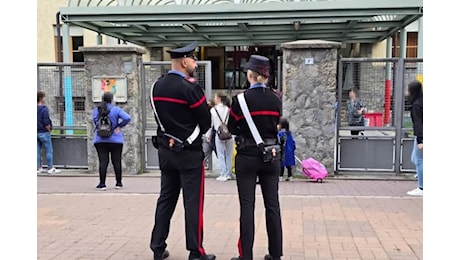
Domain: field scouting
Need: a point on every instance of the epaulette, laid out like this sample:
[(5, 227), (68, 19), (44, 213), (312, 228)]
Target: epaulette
[(191, 80)]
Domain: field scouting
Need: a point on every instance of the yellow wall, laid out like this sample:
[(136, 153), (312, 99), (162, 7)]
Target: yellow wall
[(46, 19), (379, 49)]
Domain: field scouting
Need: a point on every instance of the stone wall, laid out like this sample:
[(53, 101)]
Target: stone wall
[(309, 96), (110, 61)]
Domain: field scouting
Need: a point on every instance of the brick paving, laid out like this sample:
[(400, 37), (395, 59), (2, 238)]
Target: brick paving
[(338, 219)]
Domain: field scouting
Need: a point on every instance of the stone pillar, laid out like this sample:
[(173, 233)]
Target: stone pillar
[(309, 94), (117, 61)]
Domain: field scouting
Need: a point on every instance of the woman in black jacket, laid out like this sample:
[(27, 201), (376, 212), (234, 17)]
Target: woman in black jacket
[(265, 109), (416, 101)]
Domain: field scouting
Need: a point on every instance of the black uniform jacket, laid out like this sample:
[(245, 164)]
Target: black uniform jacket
[(265, 109), (181, 105)]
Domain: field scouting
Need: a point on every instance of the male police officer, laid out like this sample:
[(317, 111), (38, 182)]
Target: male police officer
[(183, 116)]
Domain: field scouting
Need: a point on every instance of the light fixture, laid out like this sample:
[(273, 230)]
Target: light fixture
[(296, 25)]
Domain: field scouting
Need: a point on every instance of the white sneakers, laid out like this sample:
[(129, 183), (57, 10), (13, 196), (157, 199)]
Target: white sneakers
[(53, 170), (50, 171), (224, 178), (415, 192), (221, 178)]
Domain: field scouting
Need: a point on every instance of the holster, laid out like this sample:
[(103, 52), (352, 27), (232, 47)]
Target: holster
[(168, 141), (271, 153)]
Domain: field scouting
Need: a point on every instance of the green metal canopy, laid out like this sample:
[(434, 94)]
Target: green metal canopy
[(159, 23)]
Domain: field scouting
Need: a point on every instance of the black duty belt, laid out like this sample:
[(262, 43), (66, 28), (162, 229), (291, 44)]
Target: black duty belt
[(249, 141)]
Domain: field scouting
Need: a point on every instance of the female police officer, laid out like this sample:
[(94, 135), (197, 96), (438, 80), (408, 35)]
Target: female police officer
[(265, 110)]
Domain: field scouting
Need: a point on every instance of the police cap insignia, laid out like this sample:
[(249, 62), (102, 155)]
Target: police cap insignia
[(184, 52)]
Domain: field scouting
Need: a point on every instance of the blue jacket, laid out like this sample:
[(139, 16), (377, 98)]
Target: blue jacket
[(288, 148), (119, 118), (43, 119)]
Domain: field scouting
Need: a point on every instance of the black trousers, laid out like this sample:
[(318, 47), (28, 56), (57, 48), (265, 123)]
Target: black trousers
[(247, 169), (104, 150), (180, 170), (289, 170)]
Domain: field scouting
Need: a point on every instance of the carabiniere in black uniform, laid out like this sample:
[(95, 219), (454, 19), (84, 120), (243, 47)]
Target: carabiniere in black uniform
[(180, 107), (265, 109)]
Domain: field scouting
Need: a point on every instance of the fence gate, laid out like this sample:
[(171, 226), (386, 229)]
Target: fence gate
[(64, 85), (384, 144), (151, 71)]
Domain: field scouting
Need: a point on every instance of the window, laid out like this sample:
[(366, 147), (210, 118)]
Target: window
[(78, 104), (411, 45), (75, 41)]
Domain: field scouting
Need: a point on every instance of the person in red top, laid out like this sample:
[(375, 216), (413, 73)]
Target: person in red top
[(265, 109), (183, 116)]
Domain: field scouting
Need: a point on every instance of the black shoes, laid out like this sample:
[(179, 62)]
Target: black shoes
[(206, 257), (163, 256), (236, 258), (101, 186)]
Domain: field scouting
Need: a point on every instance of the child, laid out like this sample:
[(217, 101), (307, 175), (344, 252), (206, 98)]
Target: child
[(287, 148)]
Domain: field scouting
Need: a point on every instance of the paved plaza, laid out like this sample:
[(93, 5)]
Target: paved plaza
[(337, 219)]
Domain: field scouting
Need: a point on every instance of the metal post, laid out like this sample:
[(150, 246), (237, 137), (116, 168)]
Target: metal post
[(388, 86), (403, 43), (420, 50), (67, 78), (399, 110), (279, 81), (99, 39), (208, 79), (338, 112)]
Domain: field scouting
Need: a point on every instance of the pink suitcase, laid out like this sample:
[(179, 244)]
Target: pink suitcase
[(314, 169)]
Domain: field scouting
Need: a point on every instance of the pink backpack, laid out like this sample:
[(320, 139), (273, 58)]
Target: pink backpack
[(314, 169)]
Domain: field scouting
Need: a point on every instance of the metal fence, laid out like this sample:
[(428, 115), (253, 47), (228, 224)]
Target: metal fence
[(384, 143), (64, 85)]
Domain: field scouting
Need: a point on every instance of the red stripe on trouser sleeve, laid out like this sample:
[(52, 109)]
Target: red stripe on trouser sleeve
[(200, 212), (240, 248)]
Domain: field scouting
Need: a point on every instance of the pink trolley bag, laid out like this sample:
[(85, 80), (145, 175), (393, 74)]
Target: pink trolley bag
[(314, 169)]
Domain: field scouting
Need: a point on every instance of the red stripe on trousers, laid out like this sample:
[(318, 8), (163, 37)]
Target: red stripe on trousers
[(240, 248), (197, 104), (200, 212), (168, 99)]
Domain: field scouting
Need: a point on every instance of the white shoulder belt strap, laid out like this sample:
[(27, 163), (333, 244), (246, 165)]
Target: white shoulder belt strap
[(191, 138), (244, 108)]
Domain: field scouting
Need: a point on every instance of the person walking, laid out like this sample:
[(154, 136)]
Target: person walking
[(44, 127), (355, 110), (416, 100), (109, 146), (220, 114), (183, 116), (287, 149), (264, 110)]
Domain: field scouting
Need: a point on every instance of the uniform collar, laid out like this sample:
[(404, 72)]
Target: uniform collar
[(180, 73), (257, 85)]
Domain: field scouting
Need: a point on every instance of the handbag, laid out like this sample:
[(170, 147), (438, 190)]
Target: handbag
[(269, 152)]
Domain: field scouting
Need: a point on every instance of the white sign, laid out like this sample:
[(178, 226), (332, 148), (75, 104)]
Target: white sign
[(309, 61), (116, 85)]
